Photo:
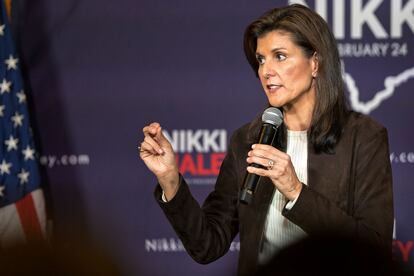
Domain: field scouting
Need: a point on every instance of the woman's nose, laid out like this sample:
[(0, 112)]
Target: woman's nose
[(268, 71)]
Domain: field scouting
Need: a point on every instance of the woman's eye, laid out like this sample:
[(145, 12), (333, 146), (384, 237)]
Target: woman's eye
[(260, 60), (280, 57)]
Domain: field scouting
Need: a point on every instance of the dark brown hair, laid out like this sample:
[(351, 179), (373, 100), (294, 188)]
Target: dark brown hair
[(312, 34)]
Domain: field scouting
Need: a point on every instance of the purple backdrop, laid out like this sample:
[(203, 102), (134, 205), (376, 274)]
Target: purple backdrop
[(98, 71)]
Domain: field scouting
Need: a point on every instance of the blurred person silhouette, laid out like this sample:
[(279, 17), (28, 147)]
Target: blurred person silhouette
[(332, 254), (69, 258)]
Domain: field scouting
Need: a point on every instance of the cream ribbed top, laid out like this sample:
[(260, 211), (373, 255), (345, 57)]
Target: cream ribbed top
[(279, 231)]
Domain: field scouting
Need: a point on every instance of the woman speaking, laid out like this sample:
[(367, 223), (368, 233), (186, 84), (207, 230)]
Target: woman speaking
[(327, 170)]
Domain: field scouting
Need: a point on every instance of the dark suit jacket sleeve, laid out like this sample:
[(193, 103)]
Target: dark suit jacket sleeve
[(206, 232), (371, 215)]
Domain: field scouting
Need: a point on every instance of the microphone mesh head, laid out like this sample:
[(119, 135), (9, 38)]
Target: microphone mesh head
[(273, 116)]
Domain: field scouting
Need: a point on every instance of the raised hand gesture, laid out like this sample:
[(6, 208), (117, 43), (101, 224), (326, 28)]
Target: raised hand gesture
[(158, 155)]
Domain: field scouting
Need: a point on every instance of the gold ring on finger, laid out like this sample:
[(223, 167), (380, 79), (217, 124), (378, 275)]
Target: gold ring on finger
[(270, 164)]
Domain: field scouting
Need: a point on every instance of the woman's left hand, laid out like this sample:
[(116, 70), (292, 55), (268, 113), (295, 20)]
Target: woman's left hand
[(278, 167)]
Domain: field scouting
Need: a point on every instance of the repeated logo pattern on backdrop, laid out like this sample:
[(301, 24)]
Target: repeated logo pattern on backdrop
[(104, 75), (200, 153)]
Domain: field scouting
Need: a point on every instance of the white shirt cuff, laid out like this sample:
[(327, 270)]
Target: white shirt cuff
[(290, 204)]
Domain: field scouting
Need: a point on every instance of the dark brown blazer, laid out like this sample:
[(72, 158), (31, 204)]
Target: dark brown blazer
[(348, 192)]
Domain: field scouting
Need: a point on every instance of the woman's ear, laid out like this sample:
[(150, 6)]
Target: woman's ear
[(315, 64)]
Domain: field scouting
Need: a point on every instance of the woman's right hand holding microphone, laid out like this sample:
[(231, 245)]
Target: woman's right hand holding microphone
[(158, 155)]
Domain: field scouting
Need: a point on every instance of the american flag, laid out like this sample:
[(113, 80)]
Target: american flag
[(22, 215)]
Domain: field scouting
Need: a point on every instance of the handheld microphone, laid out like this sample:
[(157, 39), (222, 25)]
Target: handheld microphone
[(272, 118)]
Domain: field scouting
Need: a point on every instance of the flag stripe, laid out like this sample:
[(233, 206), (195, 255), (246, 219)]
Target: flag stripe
[(11, 230), (29, 219)]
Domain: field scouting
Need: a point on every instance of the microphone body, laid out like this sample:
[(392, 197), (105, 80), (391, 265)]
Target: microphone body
[(272, 118)]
